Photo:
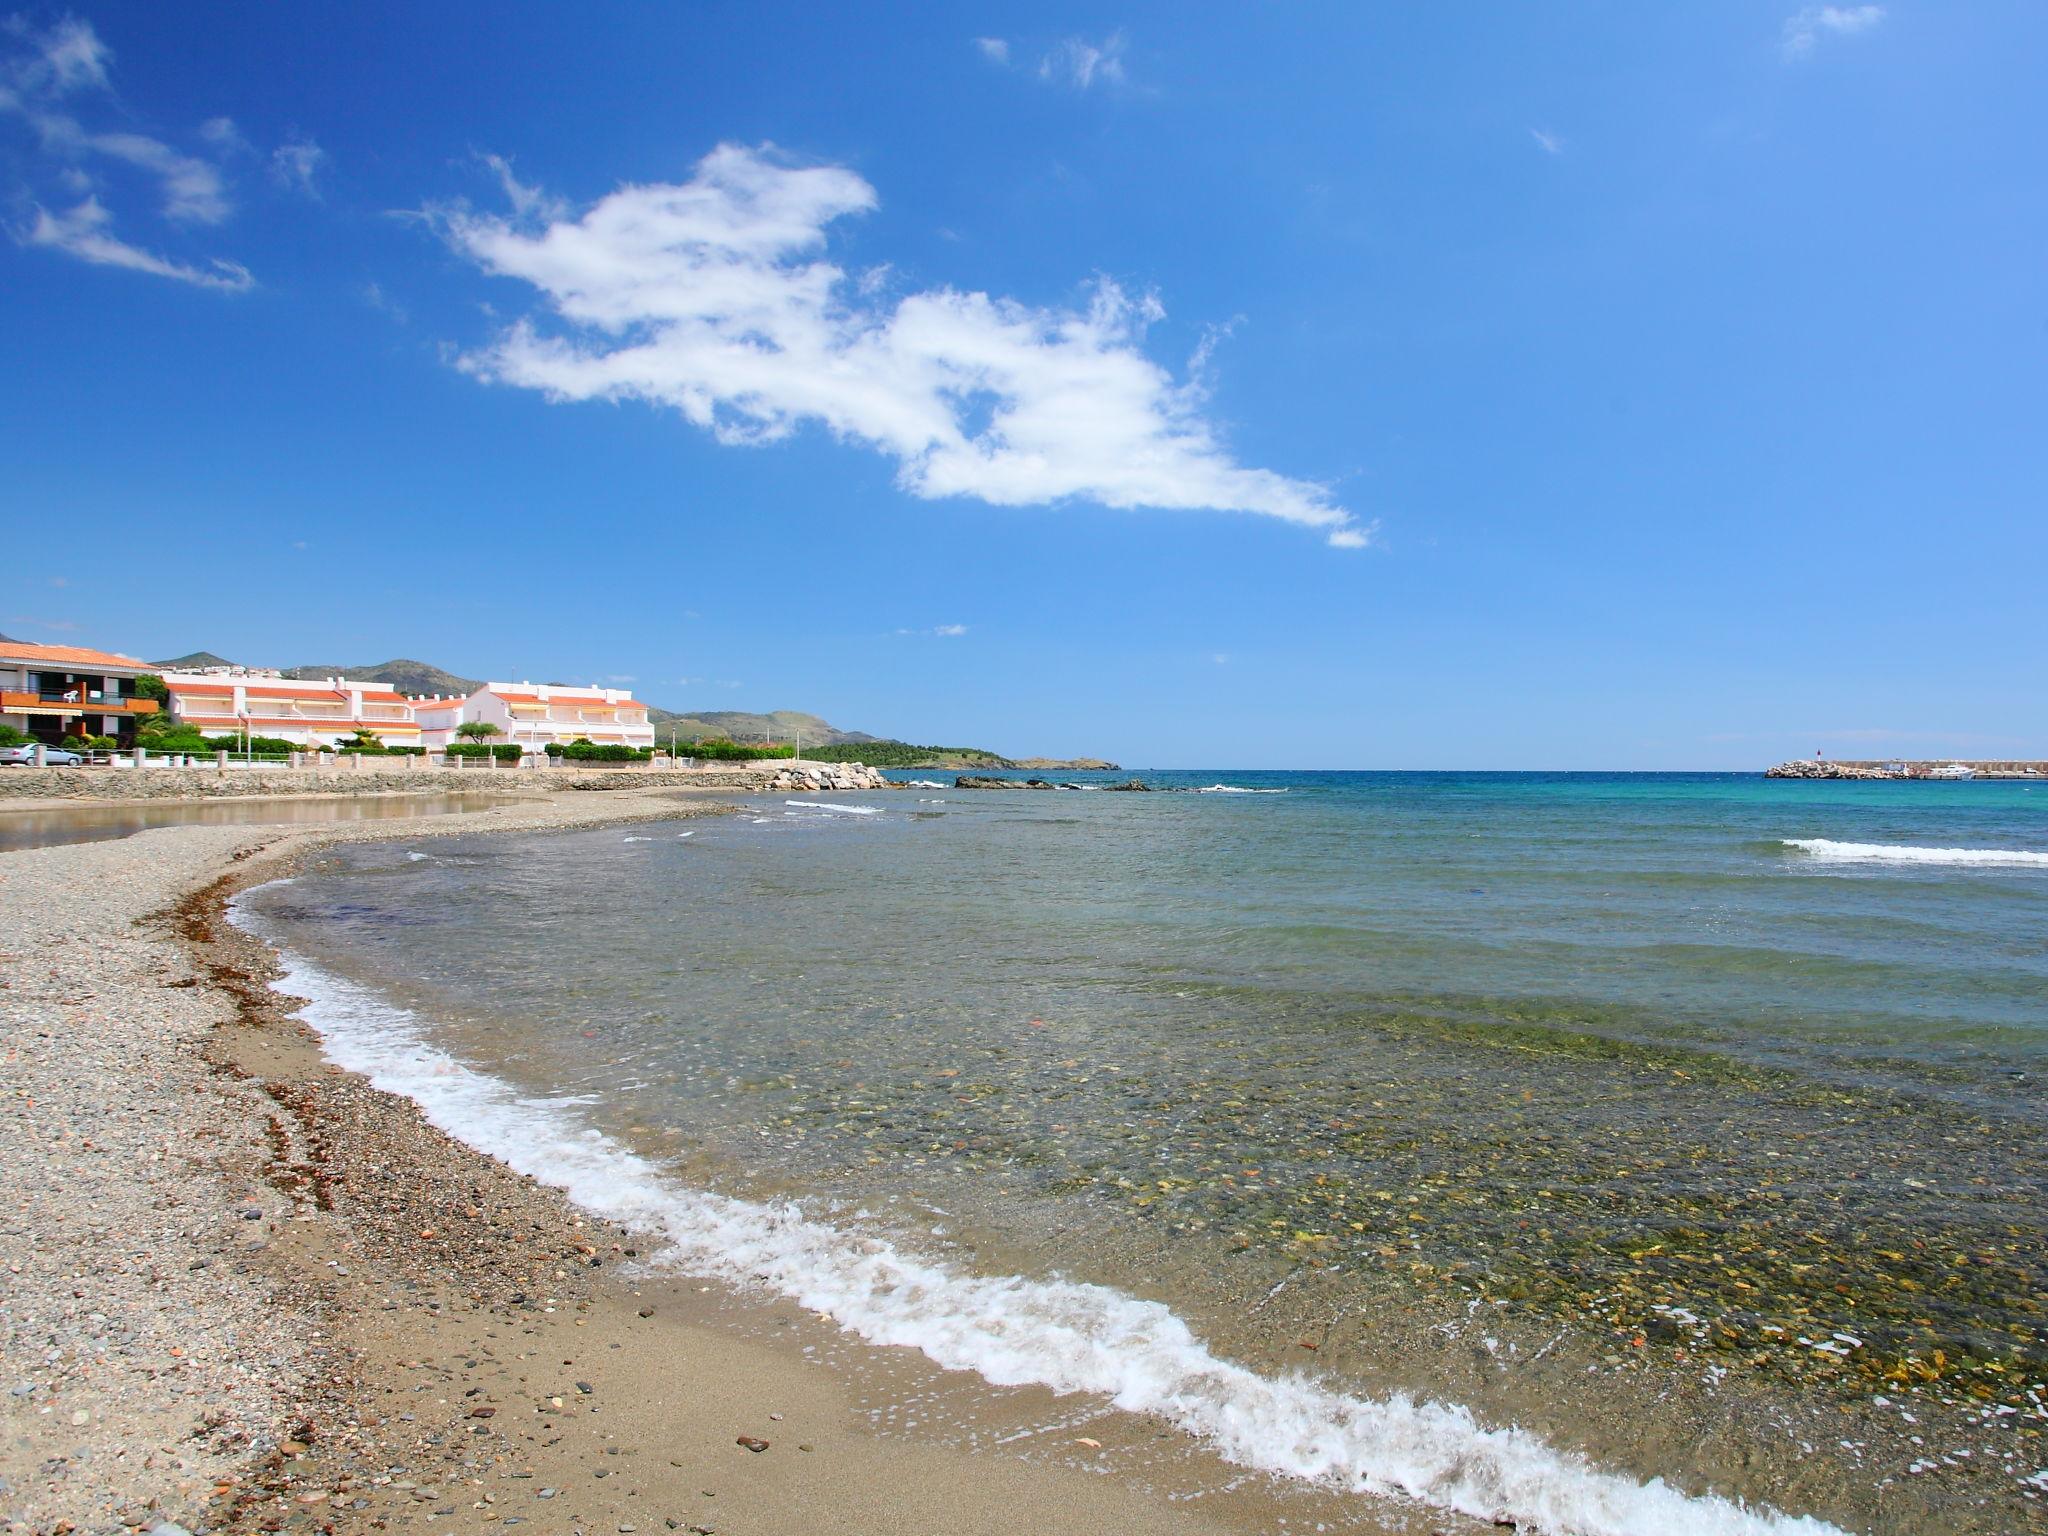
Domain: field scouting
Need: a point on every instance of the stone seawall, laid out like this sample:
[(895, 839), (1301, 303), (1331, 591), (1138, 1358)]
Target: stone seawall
[(210, 783), (1895, 768)]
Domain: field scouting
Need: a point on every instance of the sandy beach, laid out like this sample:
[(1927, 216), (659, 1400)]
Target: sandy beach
[(246, 1290)]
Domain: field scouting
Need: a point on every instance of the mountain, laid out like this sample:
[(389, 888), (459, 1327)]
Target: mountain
[(187, 663), (409, 677)]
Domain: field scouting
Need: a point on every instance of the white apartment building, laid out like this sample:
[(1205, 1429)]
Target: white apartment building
[(534, 714), (315, 714)]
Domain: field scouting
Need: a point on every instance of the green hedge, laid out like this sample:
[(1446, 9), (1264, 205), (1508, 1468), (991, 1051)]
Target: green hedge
[(508, 753), (590, 751)]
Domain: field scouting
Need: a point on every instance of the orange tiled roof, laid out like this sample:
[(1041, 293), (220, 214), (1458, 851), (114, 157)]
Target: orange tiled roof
[(68, 655)]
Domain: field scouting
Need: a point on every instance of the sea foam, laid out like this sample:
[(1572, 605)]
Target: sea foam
[(1012, 1330), (846, 810), (1906, 853)]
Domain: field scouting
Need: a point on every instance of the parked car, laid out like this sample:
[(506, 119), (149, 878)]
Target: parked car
[(56, 757)]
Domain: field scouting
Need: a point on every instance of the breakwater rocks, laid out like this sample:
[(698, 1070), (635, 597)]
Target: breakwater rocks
[(1938, 768), (813, 778)]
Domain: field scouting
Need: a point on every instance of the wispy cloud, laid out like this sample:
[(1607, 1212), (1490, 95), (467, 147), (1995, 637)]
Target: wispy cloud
[(1547, 141), (84, 232), (67, 57), (39, 76), (713, 297), (938, 631), (1807, 27), (374, 295), (1080, 63), (295, 163), (60, 626)]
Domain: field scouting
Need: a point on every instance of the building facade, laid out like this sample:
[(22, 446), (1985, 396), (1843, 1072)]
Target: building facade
[(532, 715), (314, 714), (50, 692)]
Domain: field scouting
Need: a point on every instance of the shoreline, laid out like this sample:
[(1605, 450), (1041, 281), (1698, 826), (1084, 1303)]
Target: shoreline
[(464, 1275), (389, 1346)]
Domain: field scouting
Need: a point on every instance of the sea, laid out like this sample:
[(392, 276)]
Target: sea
[(1606, 1153)]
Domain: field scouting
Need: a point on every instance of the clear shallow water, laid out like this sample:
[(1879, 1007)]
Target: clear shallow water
[(1615, 1051)]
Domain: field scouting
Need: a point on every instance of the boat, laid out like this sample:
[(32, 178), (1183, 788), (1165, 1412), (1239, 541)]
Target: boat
[(1953, 771)]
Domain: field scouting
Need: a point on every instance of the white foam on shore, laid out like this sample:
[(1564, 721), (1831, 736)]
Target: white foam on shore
[(846, 810), (1236, 789), (1013, 1331), (1906, 853)]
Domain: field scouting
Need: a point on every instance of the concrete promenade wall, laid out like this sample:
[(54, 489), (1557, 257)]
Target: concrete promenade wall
[(210, 783)]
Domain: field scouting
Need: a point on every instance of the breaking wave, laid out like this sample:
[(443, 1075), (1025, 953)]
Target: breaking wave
[(1906, 853)]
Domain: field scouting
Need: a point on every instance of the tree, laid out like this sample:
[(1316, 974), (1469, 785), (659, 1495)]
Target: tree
[(149, 686), (477, 730)]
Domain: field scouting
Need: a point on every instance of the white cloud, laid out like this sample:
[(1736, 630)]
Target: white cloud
[(221, 131), (713, 297), (950, 631), (84, 233), (1080, 63), (192, 188), (1810, 25), (70, 58), (294, 164), (67, 57), (1547, 141), (995, 49)]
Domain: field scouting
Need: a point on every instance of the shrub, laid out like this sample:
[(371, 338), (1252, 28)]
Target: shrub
[(74, 744), (101, 743), (10, 737), (270, 746), (607, 752), (734, 751)]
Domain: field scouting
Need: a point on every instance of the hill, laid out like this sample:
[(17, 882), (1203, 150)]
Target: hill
[(742, 725), (188, 663), (406, 676), (901, 754)]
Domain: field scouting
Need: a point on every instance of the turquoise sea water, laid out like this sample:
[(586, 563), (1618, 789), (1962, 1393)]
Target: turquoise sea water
[(1729, 1068)]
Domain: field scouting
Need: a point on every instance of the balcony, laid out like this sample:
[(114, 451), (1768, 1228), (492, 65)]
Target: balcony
[(74, 701)]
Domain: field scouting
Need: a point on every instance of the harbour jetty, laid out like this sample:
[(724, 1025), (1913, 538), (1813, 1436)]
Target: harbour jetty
[(1894, 768)]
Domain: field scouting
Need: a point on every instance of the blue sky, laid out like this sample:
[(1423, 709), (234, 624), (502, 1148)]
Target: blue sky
[(1589, 386)]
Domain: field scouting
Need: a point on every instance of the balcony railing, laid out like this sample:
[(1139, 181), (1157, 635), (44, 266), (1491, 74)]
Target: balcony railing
[(90, 701)]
